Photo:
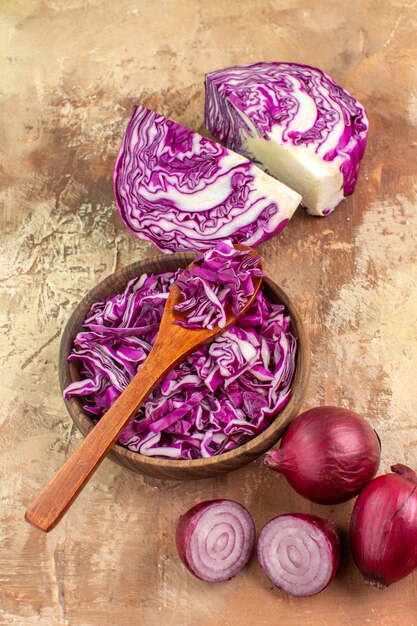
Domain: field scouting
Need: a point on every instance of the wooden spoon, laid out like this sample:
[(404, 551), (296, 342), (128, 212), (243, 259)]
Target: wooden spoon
[(172, 345)]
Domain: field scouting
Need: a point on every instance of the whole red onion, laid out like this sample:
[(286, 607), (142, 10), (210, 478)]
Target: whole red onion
[(383, 527), (328, 454), (299, 553), (215, 539)]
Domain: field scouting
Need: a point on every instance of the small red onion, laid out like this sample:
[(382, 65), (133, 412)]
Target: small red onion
[(299, 553), (215, 539), (328, 454), (383, 527)]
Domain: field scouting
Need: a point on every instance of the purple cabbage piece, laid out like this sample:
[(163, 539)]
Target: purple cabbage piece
[(220, 279), (221, 395), (183, 191), (296, 105)]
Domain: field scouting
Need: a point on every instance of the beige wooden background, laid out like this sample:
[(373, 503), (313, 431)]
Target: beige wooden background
[(70, 72)]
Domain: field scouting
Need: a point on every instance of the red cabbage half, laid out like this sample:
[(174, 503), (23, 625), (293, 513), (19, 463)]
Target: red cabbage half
[(182, 191), (296, 122), (220, 396)]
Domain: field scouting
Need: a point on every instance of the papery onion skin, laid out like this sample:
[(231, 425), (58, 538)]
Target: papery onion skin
[(328, 454), (189, 525), (301, 528), (383, 527)]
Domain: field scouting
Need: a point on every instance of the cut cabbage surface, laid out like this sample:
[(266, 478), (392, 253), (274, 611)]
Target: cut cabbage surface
[(183, 191), (295, 122)]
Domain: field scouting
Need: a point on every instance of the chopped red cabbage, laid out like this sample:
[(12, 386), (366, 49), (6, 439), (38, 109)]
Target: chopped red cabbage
[(219, 279), (220, 396)]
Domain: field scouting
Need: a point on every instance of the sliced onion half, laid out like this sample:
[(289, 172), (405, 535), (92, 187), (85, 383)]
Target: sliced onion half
[(215, 539), (299, 553)]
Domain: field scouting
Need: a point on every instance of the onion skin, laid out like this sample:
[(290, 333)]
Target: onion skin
[(188, 524), (185, 529), (383, 528), (328, 454), (312, 528)]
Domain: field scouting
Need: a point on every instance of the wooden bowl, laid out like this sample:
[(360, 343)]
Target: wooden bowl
[(182, 469)]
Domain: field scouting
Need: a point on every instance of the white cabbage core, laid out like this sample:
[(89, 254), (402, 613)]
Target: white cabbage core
[(320, 183)]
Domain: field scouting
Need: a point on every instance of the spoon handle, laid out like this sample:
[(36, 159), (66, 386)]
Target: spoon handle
[(58, 495)]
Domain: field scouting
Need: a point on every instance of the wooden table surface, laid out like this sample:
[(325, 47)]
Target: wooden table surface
[(71, 71)]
